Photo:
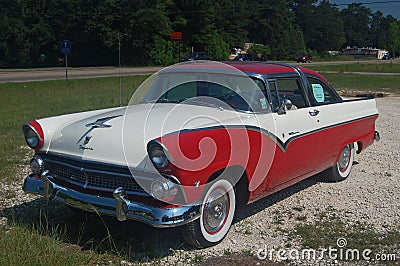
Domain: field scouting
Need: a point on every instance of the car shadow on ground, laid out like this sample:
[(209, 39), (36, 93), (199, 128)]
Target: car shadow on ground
[(132, 240)]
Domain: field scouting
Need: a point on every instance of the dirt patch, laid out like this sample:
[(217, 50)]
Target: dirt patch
[(236, 259), (366, 94)]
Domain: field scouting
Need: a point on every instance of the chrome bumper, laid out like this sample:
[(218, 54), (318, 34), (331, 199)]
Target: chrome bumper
[(118, 206)]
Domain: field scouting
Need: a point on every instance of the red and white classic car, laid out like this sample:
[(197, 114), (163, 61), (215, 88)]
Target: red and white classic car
[(197, 140)]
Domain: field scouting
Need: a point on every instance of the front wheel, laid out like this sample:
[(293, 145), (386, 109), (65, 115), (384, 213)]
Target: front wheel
[(341, 170), (216, 216)]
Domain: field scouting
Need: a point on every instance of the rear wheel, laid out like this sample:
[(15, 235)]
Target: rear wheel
[(341, 170), (216, 216)]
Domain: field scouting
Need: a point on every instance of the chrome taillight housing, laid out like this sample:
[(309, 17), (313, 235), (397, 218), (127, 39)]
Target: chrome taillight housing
[(33, 134)]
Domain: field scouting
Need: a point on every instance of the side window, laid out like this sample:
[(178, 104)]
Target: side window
[(288, 88), (182, 91), (274, 95), (320, 92)]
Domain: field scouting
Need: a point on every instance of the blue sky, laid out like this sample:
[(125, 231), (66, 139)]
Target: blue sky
[(387, 7)]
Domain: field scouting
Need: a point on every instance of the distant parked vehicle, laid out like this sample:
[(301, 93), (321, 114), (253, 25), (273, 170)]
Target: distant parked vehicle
[(243, 57), (386, 57), (196, 56), (304, 58)]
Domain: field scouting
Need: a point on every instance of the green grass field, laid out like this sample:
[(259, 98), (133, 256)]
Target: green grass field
[(387, 67), (30, 242), (374, 83)]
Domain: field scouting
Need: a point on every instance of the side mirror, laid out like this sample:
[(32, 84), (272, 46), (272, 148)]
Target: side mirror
[(286, 105)]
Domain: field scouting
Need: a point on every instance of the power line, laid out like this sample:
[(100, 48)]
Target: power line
[(370, 3)]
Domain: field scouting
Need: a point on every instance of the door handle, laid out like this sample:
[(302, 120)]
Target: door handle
[(314, 112)]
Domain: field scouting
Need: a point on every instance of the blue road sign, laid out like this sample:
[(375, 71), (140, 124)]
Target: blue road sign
[(65, 47)]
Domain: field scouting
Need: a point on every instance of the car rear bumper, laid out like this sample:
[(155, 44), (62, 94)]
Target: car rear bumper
[(118, 206)]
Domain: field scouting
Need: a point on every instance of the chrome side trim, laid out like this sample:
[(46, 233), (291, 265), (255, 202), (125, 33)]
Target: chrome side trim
[(116, 206)]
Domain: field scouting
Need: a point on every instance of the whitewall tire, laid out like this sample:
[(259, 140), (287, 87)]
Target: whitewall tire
[(341, 170), (216, 216)]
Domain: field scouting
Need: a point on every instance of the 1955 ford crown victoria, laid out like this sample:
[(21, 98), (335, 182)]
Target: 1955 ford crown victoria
[(197, 140)]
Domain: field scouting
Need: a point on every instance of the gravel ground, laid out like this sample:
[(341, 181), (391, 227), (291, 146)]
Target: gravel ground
[(371, 195)]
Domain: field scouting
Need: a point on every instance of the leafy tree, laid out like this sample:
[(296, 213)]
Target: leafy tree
[(162, 53), (31, 31), (321, 24), (383, 31), (216, 47), (394, 38), (274, 26), (304, 11), (260, 52), (356, 18)]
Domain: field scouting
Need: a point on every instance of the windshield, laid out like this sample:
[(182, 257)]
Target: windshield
[(227, 91)]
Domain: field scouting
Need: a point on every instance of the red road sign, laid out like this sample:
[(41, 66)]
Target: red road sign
[(176, 35)]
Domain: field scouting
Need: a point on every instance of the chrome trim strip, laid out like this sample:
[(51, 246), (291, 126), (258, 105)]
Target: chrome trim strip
[(153, 216)]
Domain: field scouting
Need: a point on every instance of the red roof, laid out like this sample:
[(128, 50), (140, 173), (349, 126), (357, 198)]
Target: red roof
[(262, 68), (252, 67)]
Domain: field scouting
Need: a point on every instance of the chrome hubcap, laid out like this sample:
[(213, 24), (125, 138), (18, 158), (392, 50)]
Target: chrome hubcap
[(215, 210), (344, 159)]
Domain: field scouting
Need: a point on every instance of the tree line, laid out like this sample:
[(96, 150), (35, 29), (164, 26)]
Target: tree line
[(31, 31)]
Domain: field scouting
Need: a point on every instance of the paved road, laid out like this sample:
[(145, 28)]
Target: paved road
[(24, 75)]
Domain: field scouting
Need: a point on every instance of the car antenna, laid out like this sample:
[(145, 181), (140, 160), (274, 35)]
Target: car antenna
[(119, 70)]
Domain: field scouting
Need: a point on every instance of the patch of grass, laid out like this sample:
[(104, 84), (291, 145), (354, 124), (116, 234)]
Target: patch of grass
[(198, 258), (326, 231), (247, 232), (301, 218), (25, 246), (247, 252), (277, 217), (227, 251), (298, 208), (103, 237), (360, 67), (374, 83)]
